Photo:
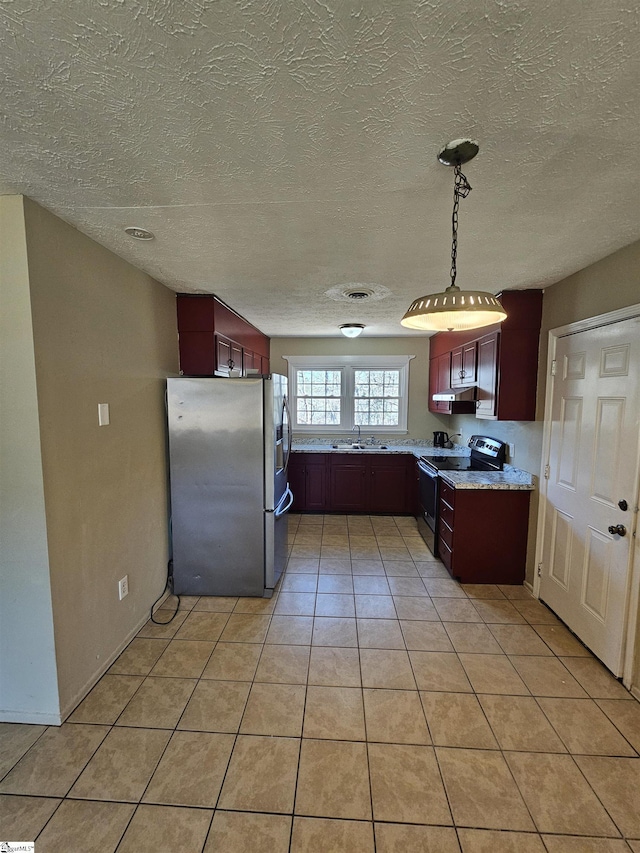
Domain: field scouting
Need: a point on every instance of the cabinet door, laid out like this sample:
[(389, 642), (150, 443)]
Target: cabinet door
[(228, 357), (223, 355), (469, 362), (457, 370), (463, 365), (316, 486), (487, 376), (250, 361), (439, 380), (296, 475), (236, 359), (347, 482), (388, 484)]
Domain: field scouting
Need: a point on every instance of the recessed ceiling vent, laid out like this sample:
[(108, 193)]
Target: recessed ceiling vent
[(354, 292), (138, 233)]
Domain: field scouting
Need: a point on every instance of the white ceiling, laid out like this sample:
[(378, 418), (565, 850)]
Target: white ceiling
[(280, 148)]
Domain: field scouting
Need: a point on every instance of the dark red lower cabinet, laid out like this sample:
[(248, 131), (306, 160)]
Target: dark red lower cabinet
[(482, 534)]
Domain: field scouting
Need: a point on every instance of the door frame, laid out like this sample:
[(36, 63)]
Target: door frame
[(631, 637)]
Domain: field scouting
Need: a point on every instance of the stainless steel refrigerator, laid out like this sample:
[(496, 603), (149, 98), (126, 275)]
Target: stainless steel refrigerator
[(229, 444)]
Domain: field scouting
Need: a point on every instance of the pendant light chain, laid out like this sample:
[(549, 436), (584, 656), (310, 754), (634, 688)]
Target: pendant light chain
[(461, 188), (453, 309)]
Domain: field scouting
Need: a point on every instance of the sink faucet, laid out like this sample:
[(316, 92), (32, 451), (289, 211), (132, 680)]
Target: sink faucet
[(357, 427)]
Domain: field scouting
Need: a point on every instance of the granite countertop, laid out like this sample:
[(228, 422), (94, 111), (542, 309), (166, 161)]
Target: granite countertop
[(509, 478), (416, 450)]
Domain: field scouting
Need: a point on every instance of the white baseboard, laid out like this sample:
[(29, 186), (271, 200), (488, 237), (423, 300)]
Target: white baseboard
[(8, 716), (32, 717), (104, 666), (528, 586), (95, 678)]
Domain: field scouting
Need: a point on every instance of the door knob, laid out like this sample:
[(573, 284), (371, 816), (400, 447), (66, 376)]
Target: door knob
[(618, 529)]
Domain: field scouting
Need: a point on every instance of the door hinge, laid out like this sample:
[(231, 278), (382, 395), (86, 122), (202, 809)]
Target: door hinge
[(539, 570), (547, 471), (554, 365)]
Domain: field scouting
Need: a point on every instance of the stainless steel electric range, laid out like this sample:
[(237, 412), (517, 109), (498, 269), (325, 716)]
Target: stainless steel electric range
[(487, 454)]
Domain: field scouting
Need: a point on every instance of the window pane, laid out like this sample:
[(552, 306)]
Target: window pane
[(376, 395), (318, 397)]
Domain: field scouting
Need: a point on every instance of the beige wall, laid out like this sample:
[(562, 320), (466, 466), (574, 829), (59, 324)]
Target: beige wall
[(421, 422), (103, 332), (28, 678)]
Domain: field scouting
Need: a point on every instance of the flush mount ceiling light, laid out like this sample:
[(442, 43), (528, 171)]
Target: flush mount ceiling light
[(352, 330), (454, 309), (139, 233)]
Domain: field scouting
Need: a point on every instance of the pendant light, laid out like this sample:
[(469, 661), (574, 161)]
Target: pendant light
[(454, 310)]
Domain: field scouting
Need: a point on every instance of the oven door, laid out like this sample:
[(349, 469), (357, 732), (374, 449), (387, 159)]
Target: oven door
[(427, 520)]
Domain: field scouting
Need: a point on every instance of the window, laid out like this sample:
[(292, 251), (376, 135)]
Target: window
[(334, 394), (318, 397), (377, 398)]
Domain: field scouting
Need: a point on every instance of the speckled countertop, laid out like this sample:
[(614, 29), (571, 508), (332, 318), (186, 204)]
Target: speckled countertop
[(509, 478)]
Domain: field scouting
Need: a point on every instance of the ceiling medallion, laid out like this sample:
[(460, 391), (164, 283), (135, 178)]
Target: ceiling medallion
[(454, 309), (355, 292)]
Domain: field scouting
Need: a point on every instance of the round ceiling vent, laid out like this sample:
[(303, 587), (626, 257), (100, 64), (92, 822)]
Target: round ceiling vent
[(354, 292)]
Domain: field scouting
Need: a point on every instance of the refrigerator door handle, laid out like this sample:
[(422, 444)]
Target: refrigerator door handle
[(285, 406), (280, 510)]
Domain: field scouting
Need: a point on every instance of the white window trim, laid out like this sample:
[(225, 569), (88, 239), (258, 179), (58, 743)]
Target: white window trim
[(349, 364)]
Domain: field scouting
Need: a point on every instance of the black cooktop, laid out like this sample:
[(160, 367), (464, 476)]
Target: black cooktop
[(453, 463), (487, 454)]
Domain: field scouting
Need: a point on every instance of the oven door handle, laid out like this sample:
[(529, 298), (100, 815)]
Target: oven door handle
[(425, 470)]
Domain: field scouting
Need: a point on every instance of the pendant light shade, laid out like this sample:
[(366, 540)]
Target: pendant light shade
[(455, 310)]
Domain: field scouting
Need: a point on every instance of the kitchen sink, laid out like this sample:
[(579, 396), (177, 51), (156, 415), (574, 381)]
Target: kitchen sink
[(359, 447)]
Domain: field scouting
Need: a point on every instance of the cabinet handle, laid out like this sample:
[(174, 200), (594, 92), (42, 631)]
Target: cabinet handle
[(478, 404), (461, 374), (231, 364)]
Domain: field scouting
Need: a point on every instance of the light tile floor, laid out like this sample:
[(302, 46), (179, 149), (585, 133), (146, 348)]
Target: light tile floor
[(373, 704)]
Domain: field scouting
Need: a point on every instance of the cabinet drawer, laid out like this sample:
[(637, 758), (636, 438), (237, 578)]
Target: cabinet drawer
[(446, 534), (447, 493), (445, 552), (446, 513)]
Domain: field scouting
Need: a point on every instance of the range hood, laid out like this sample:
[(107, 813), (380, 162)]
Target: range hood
[(456, 395)]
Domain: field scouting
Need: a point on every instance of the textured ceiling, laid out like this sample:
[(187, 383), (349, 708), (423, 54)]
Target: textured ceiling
[(280, 148)]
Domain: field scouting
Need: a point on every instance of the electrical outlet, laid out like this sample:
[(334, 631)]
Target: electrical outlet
[(512, 451), (123, 587)]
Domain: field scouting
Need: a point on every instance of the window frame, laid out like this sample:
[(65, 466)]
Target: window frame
[(348, 364)]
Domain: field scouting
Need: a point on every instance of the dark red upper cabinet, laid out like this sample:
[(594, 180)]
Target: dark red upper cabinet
[(212, 337), (502, 359)]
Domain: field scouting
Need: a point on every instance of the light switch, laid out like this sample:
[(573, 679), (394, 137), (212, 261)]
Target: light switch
[(103, 414)]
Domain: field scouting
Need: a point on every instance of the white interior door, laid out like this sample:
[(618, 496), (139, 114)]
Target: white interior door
[(592, 471)]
